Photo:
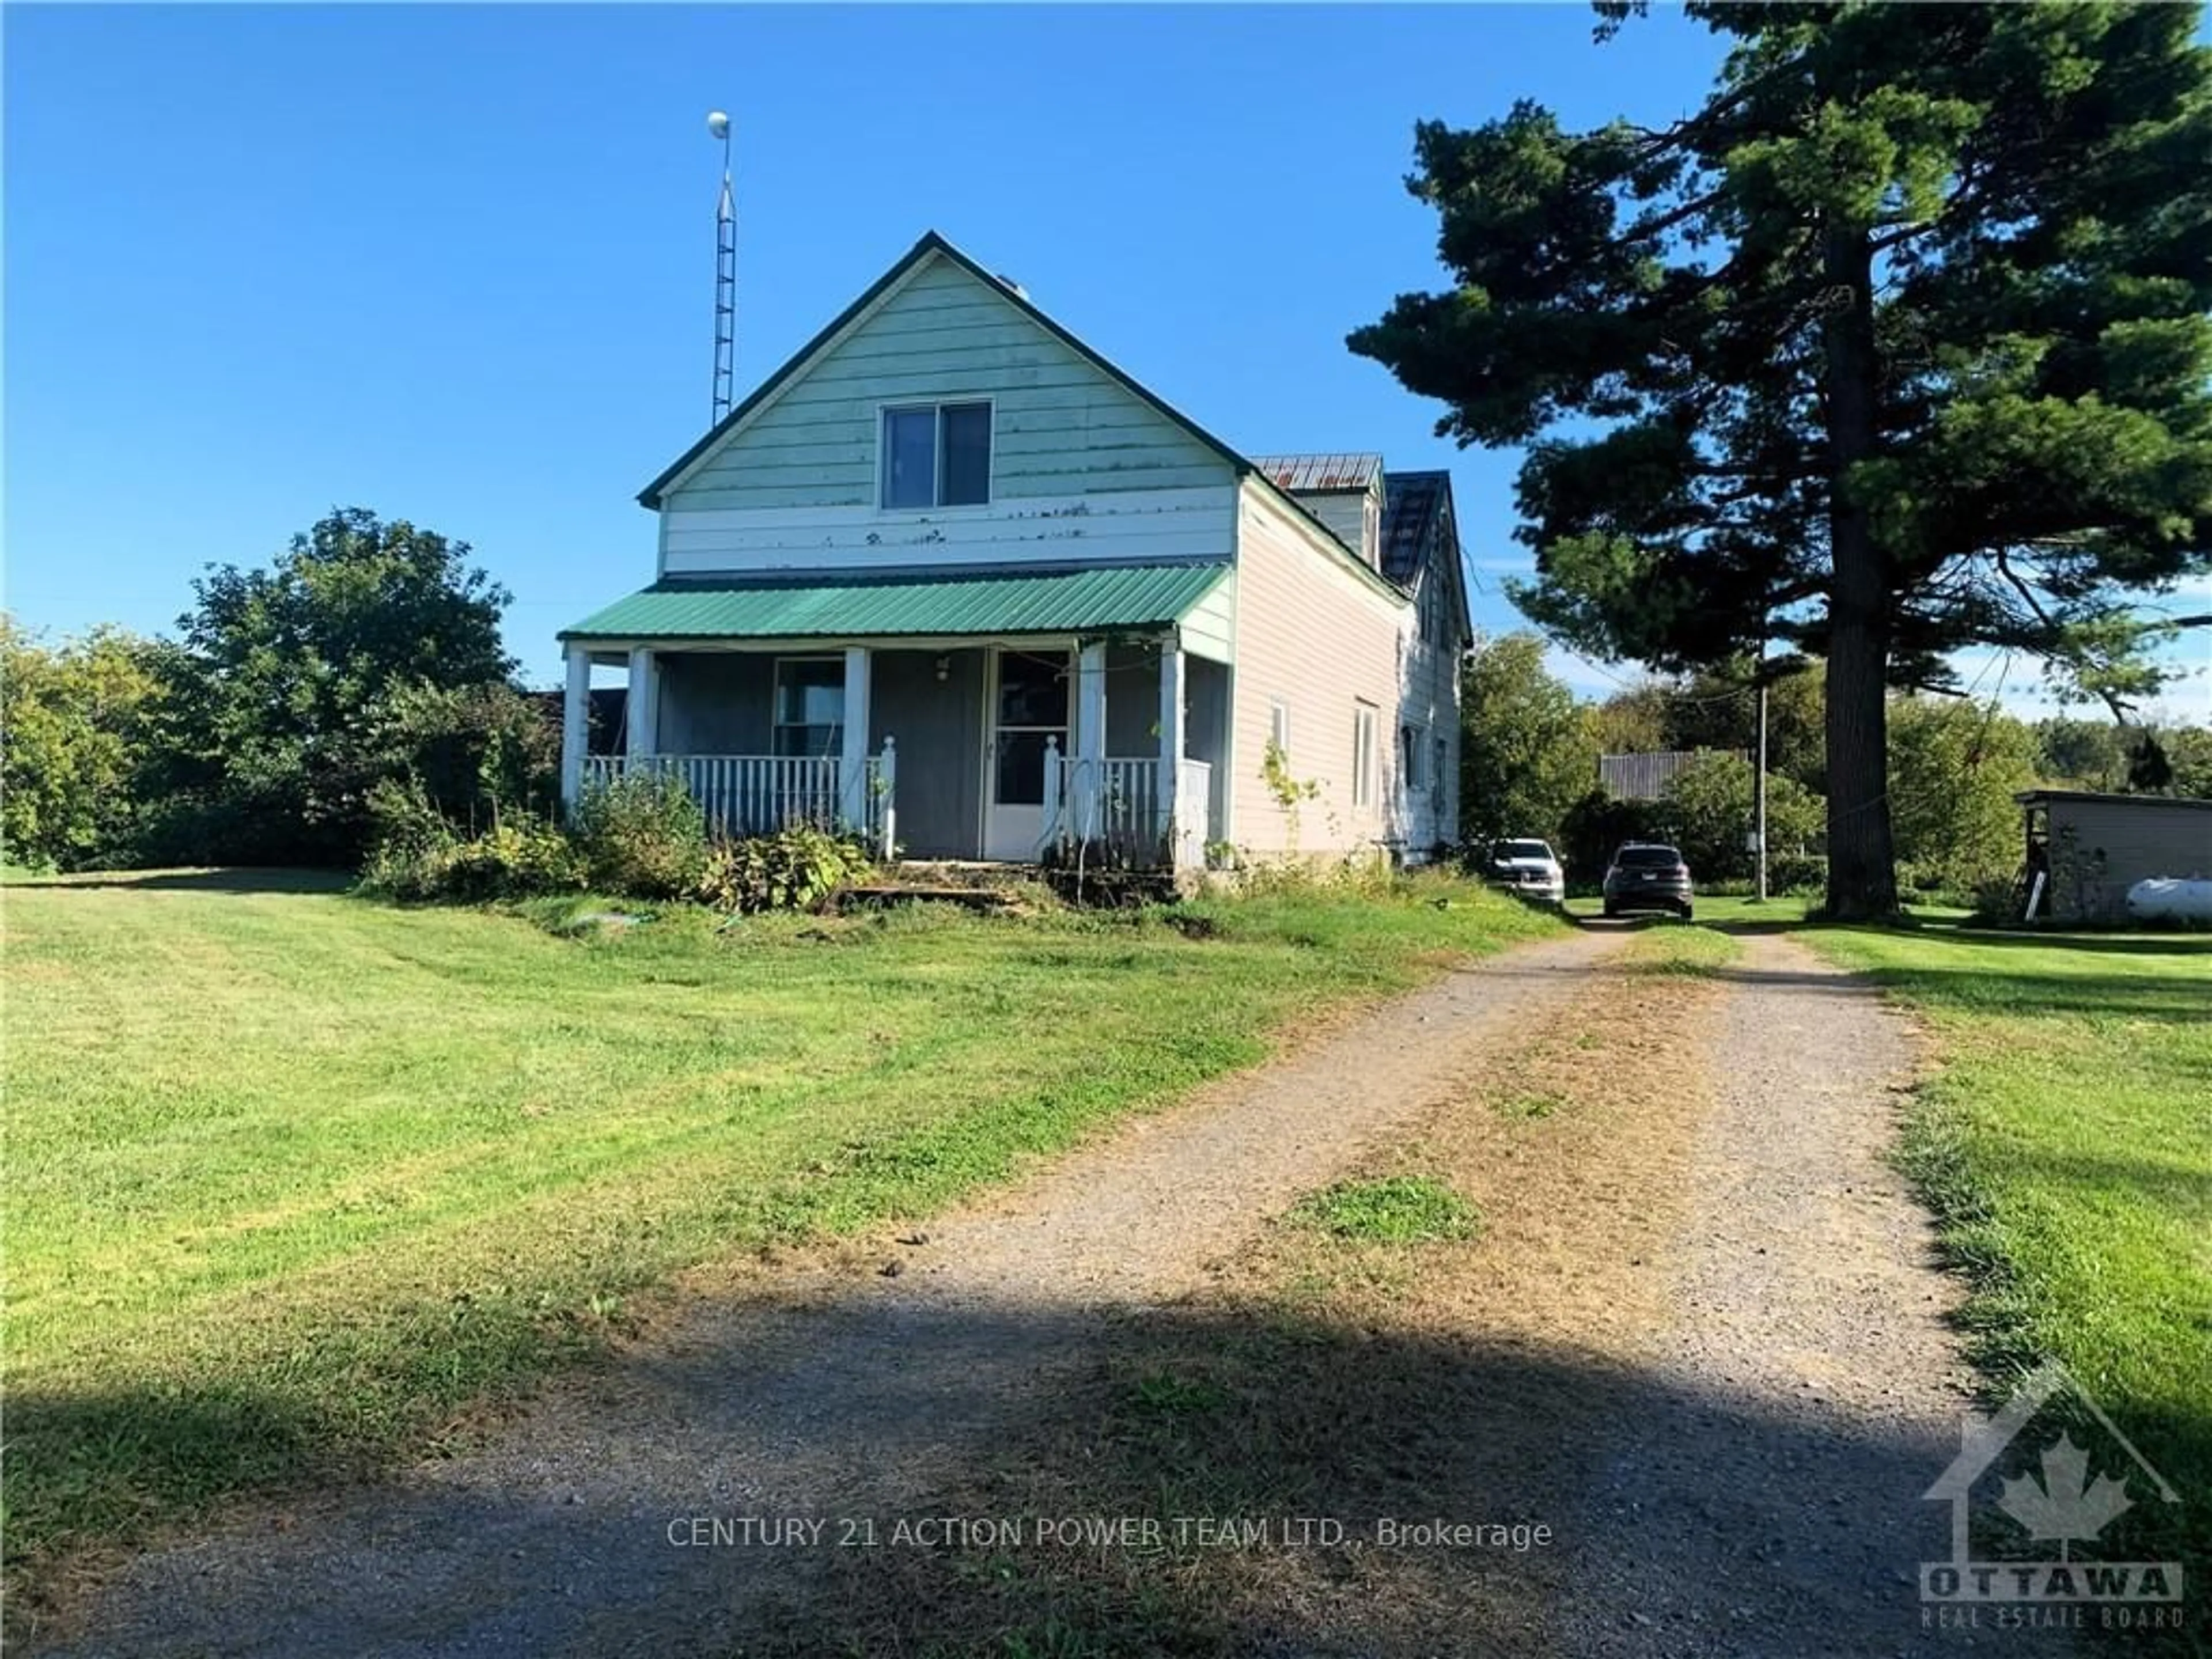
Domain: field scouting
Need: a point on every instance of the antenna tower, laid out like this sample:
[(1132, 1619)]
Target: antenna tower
[(725, 274)]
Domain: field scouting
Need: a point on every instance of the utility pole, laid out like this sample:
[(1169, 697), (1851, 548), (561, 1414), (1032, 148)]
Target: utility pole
[(1759, 782)]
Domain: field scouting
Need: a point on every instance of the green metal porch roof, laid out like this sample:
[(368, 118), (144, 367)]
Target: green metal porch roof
[(782, 605)]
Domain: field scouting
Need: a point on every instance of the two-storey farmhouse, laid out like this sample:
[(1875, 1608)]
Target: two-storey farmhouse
[(951, 578)]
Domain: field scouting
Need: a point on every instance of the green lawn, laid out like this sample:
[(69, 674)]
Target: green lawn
[(295, 1178), (2066, 1145)]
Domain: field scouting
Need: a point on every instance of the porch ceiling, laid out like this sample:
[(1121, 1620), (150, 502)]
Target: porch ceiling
[(782, 605)]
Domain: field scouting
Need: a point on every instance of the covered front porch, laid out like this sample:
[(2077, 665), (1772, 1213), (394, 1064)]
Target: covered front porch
[(1018, 750)]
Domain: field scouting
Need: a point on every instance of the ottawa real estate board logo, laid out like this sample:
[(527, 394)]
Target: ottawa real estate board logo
[(2050, 1469)]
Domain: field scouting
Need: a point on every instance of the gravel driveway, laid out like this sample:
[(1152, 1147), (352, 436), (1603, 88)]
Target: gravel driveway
[(1803, 1389)]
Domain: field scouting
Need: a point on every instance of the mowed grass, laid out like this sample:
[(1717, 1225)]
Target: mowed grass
[(2066, 1147), (297, 1179)]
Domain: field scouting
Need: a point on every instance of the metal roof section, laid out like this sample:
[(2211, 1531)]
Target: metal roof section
[(1320, 472), (1411, 502), (891, 604)]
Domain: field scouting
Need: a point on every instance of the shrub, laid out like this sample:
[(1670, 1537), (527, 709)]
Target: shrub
[(1598, 823), (1708, 809), (408, 871), (793, 870), (516, 861), (1996, 900), (402, 818), (642, 835), (477, 753), (419, 857), (1796, 873)]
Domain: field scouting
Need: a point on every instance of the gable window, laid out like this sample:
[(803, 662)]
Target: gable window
[(937, 455), (810, 706), (1363, 753)]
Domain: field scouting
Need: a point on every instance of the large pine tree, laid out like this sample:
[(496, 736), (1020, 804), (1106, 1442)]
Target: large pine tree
[(1898, 345)]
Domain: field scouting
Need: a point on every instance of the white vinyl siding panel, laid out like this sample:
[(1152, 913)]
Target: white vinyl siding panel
[(1431, 701), (1209, 628), (1161, 527), (1315, 636), (1354, 515)]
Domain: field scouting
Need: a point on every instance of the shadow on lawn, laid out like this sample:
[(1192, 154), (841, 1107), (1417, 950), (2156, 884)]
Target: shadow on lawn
[(224, 880), (1668, 1502), (2107, 996), (2176, 943)]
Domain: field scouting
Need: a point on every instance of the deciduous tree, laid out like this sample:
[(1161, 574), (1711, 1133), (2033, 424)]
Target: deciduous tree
[(78, 718), (1526, 752), (284, 726), (1954, 769)]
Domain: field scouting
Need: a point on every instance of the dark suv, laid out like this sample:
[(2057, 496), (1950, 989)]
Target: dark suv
[(1644, 877)]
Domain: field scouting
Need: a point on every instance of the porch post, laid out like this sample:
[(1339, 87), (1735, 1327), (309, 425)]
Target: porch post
[(1055, 822), (575, 724), (852, 759), (1171, 697), (887, 775), (1090, 739), (644, 701)]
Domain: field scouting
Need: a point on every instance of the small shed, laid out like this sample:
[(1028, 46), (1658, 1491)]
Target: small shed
[(2095, 846)]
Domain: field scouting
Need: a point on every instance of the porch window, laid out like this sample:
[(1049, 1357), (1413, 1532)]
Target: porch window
[(810, 706), (1032, 707), (1363, 753), (937, 455)]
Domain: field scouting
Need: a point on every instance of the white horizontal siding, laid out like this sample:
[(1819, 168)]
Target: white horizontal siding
[(1315, 636), (1062, 427), (1430, 702), (1344, 512), (1120, 527), (1209, 628)]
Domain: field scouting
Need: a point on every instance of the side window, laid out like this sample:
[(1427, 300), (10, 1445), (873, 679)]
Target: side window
[(1412, 760), (1364, 757), (1279, 724)]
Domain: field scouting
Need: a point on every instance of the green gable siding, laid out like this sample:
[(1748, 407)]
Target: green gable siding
[(1062, 427)]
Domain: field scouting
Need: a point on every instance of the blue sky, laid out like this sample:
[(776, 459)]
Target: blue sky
[(456, 264)]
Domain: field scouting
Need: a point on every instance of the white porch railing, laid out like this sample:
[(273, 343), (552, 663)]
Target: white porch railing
[(760, 794), (1114, 804)]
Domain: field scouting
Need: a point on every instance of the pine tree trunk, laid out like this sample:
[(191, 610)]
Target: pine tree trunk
[(1862, 858)]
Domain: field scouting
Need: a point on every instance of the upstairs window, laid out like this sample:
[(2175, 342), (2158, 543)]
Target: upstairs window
[(937, 455)]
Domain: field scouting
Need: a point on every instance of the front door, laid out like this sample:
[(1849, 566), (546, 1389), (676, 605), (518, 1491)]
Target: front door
[(1028, 702)]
